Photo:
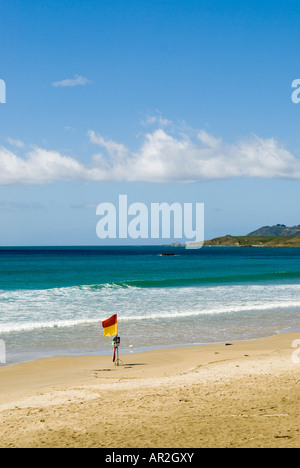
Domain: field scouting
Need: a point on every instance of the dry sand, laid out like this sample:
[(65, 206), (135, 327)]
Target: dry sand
[(243, 395)]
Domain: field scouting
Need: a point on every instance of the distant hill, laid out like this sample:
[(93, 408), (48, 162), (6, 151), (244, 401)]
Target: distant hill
[(254, 241), (268, 236), (278, 230)]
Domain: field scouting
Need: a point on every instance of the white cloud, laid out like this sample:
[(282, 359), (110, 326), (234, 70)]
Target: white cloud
[(160, 158), (157, 118), (115, 150), (39, 167), (17, 143), (165, 158), (208, 140), (71, 82)]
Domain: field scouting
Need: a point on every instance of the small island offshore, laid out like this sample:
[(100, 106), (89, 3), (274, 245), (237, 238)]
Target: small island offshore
[(268, 236)]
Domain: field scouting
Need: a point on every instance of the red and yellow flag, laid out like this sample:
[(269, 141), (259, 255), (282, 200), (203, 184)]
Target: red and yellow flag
[(110, 326)]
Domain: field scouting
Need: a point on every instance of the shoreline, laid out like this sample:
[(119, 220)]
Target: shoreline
[(171, 397), (153, 348)]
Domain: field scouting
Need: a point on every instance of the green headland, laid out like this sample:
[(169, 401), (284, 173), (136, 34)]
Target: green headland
[(267, 236)]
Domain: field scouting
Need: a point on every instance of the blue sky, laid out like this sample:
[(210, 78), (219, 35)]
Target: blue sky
[(186, 101)]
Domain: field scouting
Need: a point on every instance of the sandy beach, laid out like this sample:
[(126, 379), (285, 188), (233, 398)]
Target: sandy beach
[(238, 394)]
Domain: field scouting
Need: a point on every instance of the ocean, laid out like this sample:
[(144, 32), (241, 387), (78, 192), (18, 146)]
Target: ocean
[(53, 300)]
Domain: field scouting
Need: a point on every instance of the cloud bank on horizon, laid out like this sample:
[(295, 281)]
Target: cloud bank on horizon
[(162, 157)]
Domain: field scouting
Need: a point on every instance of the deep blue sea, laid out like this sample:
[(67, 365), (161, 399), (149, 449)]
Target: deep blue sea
[(53, 300)]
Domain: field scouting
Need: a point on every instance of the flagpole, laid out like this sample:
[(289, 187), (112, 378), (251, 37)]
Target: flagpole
[(118, 343), (118, 362)]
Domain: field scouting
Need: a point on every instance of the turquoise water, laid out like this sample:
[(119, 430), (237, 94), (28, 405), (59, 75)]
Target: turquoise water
[(52, 301)]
